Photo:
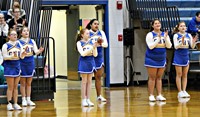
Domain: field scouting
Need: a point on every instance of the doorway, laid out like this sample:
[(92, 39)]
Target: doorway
[(78, 17), (70, 19)]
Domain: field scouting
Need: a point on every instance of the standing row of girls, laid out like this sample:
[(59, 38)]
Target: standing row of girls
[(90, 43), (19, 61), (155, 58)]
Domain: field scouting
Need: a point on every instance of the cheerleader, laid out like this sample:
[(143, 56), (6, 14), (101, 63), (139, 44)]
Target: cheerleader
[(182, 41), (155, 58), (12, 52), (27, 66), (86, 64), (99, 36)]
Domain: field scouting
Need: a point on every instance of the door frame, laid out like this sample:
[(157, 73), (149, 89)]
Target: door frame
[(106, 26)]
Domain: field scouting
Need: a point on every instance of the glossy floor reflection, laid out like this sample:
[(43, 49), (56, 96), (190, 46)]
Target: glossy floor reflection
[(122, 102)]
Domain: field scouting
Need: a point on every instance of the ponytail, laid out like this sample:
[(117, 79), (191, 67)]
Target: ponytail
[(175, 30), (79, 35)]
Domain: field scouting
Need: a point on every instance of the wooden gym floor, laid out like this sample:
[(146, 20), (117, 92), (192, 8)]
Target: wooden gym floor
[(122, 102)]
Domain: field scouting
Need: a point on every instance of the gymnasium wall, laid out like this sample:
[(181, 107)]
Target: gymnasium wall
[(116, 47), (58, 32)]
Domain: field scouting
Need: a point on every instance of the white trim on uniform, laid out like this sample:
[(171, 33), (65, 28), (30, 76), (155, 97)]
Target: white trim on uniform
[(181, 65), (88, 72), (102, 64), (155, 66), (29, 75)]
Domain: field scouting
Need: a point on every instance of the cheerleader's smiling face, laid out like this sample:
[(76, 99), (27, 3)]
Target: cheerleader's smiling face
[(95, 26), (86, 35), (25, 32), (182, 27), (156, 25)]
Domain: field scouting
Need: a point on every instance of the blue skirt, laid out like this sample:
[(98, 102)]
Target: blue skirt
[(181, 60), (86, 64), (99, 62), (155, 58), (28, 69), (12, 68)]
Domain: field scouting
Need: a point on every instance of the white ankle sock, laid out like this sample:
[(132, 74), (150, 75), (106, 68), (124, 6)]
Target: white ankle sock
[(28, 98), (23, 98)]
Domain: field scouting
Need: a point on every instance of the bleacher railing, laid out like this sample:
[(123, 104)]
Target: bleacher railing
[(173, 17), (44, 83), (149, 10), (44, 79)]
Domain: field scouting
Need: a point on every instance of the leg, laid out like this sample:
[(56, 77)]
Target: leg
[(83, 86), (98, 75), (23, 87), (15, 94), (28, 87), (83, 89), (178, 77), (159, 80), (28, 91), (151, 82), (89, 85), (10, 83), (184, 77)]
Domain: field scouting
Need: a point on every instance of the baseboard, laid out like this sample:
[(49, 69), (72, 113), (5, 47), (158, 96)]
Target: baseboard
[(61, 77)]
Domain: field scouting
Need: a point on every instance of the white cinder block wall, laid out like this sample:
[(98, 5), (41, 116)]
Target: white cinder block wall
[(115, 46)]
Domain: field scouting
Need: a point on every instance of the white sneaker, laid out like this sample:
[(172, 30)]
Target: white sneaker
[(186, 94), (17, 107), (160, 98), (102, 99), (10, 107), (90, 103), (24, 103), (84, 102), (152, 98), (30, 103), (181, 94)]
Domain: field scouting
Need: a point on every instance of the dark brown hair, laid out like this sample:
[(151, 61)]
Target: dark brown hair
[(152, 23), (90, 23)]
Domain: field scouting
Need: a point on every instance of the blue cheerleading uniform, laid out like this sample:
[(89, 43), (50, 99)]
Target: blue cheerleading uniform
[(28, 64), (156, 50), (11, 54), (86, 63), (99, 61), (181, 54)]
